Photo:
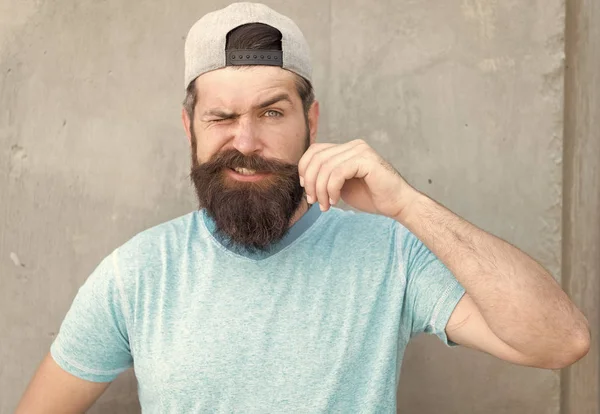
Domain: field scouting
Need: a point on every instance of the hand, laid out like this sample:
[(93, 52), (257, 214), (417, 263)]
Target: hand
[(355, 173)]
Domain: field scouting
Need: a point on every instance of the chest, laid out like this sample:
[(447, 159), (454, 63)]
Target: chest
[(271, 333)]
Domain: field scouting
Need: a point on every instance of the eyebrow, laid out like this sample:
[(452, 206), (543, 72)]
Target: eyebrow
[(274, 100), (223, 114), (219, 113)]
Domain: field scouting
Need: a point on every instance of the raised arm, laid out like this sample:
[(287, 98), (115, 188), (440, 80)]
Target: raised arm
[(513, 309)]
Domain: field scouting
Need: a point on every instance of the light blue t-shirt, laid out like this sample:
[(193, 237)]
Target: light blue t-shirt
[(318, 324)]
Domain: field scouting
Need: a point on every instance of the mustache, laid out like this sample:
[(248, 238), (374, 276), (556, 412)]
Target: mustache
[(234, 159)]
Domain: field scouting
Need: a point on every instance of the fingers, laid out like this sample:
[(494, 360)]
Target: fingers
[(315, 150), (325, 167), (338, 178), (323, 184), (313, 168), (307, 157)]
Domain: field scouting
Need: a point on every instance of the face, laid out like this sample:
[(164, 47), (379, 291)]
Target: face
[(248, 133)]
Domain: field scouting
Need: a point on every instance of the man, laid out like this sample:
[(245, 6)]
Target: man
[(260, 302)]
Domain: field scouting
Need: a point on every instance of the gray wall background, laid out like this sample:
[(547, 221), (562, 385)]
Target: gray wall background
[(464, 97)]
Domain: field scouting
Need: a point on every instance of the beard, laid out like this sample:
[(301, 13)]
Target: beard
[(250, 214)]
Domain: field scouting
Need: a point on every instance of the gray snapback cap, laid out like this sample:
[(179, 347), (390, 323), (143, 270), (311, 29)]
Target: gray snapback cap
[(206, 41)]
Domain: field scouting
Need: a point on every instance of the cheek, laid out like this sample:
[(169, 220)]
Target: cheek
[(285, 148), (206, 146), (291, 140)]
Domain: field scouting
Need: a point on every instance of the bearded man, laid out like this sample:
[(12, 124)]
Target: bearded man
[(269, 299)]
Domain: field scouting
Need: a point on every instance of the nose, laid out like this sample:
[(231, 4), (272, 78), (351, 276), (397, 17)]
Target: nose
[(246, 138)]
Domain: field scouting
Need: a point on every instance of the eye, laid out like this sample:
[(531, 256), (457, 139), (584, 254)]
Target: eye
[(271, 113)]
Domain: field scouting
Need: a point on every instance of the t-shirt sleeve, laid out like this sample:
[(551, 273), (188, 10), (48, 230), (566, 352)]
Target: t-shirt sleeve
[(93, 342), (432, 291)]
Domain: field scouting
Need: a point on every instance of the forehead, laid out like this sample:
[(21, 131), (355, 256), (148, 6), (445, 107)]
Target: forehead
[(243, 86)]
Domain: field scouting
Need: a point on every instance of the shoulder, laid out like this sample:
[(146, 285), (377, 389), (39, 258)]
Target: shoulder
[(151, 251), (359, 229), (136, 270), (168, 237), (359, 223)]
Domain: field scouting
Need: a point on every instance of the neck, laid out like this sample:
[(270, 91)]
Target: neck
[(300, 211)]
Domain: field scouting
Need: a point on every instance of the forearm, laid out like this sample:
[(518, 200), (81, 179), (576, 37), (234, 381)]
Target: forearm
[(520, 301)]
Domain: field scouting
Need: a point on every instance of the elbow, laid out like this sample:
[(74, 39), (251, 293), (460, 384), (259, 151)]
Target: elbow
[(575, 348), (580, 346)]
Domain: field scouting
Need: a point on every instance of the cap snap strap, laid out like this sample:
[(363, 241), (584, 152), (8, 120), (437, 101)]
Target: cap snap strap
[(237, 57)]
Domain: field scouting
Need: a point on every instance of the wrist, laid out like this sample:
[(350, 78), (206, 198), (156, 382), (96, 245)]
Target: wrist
[(410, 201)]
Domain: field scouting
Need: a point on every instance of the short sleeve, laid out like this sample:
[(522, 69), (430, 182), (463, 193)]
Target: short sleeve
[(432, 291), (93, 342)]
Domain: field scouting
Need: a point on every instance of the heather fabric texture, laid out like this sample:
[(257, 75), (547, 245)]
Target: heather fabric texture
[(318, 324)]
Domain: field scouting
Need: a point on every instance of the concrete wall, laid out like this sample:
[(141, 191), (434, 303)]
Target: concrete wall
[(581, 202), (463, 96)]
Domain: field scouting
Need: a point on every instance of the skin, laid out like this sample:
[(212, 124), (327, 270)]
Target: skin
[(513, 308)]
